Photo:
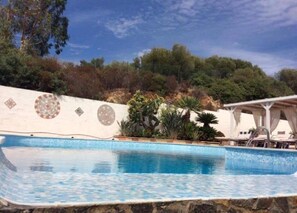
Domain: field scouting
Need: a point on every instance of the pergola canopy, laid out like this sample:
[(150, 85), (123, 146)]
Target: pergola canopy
[(278, 103), (266, 112)]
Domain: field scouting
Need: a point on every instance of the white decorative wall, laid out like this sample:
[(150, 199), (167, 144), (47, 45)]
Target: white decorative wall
[(31, 112), (26, 111)]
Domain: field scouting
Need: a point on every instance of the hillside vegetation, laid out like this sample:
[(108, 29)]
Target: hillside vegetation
[(169, 73)]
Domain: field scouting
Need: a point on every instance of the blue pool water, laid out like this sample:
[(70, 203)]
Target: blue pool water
[(47, 170)]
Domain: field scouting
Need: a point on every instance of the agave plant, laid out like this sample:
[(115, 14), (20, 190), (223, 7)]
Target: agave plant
[(190, 131), (189, 104), (206, 119), (171, 122), (125, 127)]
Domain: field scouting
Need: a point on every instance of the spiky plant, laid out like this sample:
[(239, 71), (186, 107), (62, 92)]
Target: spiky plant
[(206, 119), (171, 122), (189, 104), (125, 127)]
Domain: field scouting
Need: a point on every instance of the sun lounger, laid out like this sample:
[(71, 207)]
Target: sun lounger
[(283, 141), (259, 138), (242, 138)]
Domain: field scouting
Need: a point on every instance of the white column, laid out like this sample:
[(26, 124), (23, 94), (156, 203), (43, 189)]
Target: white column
[(231, 111), (267, 107)]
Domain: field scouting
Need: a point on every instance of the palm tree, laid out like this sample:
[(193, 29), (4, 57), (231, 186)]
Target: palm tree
[(189, 104), (206, 119)]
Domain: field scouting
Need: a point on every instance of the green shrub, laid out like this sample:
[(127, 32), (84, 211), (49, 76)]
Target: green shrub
[(171, 122), (207, 133), (143, 112), (189, 131)]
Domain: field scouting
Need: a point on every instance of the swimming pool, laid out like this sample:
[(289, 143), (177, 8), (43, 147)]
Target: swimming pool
[(49, 171)]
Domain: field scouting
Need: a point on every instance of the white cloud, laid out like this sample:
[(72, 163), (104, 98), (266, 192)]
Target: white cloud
[(78, 46), (265, 13), (122, 27), (75, 52), (185, 7), (230, 13), (142, 52), (87, 16)]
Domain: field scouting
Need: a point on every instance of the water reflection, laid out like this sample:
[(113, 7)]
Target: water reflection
[(42, 167), (125, 161), (247, 167), (141, 162), (103, 167), (6, 162)]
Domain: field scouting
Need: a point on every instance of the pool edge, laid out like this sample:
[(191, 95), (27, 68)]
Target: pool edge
[(282, 203)]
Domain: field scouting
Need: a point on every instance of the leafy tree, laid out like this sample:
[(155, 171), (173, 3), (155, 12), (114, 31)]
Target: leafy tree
[(157, 61), (289, 77), (240, 64), (199, 65), (113, 75), (221, 67), (158, 84), (202, 80), (251, 82), (278, 88), (6, 33), (132, 81), (136, 63), (14, 70), (225, 67), (51, 82), (183, 61), (95, 62), (226, 91), (40, 23), (256, 85), (83, 81)]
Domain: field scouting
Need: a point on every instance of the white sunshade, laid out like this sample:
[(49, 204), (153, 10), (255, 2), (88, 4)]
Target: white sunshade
[(288, 104), (278, 103)]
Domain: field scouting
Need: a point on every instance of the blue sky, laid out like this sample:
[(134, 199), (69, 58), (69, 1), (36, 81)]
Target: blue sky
[(261, 31)]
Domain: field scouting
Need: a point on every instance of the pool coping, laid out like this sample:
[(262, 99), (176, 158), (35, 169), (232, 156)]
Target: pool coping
[(7, 202), (260, 149)]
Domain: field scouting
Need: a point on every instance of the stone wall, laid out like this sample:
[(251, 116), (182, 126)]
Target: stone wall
[(263, 205)]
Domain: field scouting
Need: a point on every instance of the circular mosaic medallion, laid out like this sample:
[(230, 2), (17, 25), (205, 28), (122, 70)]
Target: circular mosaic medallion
[(47, 106), (106, 115)]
